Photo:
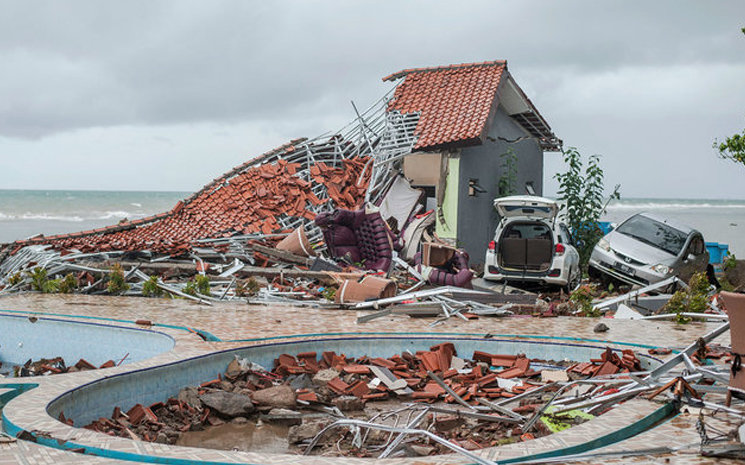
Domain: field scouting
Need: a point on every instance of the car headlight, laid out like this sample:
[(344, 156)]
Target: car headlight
[(662, 269), (604, 244)]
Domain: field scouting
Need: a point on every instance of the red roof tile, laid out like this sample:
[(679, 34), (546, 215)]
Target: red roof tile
[(247, 199), (454, 102)]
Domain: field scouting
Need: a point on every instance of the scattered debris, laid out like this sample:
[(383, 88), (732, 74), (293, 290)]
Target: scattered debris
[(432, 399), (53, 366)]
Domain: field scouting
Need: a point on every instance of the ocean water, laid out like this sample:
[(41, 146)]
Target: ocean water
[(25, 213), (720, 221)]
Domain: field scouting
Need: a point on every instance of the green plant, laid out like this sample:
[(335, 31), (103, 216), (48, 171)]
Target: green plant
[(240, 290), (695, 299), (581, 193), (15, 279), (68, 284), (41, 282), (729, 262), (699, 284), (150, 287), (508, 179), (38, 279), (202, 283), (247, 288), (732, 148), (190, 288), (329, 293), (117, 284), (581, 300)]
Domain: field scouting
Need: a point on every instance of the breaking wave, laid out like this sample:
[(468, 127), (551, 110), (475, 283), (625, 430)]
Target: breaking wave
[(675, 205), (69, 217)]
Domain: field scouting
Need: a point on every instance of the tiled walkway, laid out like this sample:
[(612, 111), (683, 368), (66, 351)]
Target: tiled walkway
[(240, 322)]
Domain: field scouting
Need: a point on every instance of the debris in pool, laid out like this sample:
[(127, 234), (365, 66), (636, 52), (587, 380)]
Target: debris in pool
[(489, 400), (53, 366)]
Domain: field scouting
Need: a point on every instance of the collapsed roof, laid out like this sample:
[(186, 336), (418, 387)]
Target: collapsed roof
[(431, 108)]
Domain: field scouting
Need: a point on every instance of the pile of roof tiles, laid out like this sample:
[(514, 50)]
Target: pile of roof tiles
[(305, 381), (55, 366), (246, 200), (470, 381), (609, 363)]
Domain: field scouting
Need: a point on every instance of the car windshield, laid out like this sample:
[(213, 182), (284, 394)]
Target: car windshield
[(654, 233)]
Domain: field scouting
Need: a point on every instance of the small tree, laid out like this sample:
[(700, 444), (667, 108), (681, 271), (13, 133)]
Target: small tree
[(581, 191), (733, 148)]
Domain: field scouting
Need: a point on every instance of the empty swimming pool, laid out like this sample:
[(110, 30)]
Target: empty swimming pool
[(32, 337)]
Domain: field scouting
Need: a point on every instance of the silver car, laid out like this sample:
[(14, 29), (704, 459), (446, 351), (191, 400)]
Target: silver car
[(648, 248)]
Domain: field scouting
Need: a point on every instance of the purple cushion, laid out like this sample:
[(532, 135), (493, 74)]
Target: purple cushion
[(454, 273), (365, 236)]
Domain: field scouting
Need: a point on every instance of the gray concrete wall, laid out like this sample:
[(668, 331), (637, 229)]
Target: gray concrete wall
[(476, 216)]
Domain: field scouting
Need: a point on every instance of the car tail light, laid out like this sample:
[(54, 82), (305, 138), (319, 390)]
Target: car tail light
[(555, 273), (560, 249), (492, 245)]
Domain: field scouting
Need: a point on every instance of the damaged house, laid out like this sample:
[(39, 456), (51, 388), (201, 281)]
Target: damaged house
[(470, 117), (443, 128)]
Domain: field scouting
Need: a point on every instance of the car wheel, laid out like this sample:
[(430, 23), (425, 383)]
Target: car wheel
[(573, 282), (593, 273)]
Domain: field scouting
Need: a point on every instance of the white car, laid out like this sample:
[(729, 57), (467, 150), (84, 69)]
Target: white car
[(531, 245)]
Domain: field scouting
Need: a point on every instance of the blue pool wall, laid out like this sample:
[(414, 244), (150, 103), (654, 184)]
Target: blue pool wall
[(151, 385), (21, 339)]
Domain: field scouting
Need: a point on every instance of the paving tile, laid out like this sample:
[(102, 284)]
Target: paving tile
[(239, 321)]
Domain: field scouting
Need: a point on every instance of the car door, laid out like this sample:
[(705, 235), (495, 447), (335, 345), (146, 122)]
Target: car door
[(695, 258)]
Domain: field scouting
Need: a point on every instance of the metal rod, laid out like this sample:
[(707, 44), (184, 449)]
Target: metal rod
[(363, 424), (399, 439), (449, 390)]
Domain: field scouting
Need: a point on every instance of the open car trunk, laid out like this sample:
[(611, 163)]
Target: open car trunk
[(526, 247)]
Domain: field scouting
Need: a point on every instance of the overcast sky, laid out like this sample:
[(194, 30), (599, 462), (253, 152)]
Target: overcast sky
[(166, 95)]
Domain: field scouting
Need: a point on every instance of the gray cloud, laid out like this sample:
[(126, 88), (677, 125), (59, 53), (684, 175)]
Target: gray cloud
[(629, 79)]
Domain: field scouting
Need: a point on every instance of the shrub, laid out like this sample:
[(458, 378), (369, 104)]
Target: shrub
[(581, 300), (729, 262), (68, 284), (190, 288), (150, 288), (695, 299), (15, 279), (117, 284), (202, 283), (329, 293), (40, 281), (247, 288)]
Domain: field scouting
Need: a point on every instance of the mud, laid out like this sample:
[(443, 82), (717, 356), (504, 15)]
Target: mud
[(264, 437)]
